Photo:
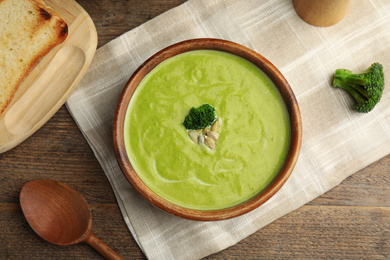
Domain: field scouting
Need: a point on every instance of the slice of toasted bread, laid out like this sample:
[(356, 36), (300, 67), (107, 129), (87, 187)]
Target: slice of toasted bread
[(27, 33)]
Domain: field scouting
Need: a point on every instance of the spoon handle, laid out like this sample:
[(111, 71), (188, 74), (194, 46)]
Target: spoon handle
[(102, 248)]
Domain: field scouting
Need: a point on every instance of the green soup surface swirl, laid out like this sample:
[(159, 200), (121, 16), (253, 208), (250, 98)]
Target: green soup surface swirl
[(254, 134)]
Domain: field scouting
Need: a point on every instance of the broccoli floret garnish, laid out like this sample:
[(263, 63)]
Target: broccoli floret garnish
[(200, 117), (366, 87)]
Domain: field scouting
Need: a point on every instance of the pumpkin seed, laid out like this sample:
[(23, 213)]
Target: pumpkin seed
[(210, 142), (213, 134), (215, 126), (194, 135)]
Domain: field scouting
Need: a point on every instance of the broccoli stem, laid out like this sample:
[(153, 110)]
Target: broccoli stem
[(360, 89), (348, 76), (360, 98)]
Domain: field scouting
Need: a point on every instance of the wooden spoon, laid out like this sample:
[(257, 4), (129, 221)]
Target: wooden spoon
[(60, 215)]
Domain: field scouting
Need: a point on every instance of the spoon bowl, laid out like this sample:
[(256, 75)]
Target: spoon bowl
[(60, 215)]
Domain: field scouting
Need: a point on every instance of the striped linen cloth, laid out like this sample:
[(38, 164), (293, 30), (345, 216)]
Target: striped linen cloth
[(337, 141)]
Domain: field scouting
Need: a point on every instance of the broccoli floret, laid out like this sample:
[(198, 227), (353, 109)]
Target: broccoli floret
[(366, 87), (200, 117)]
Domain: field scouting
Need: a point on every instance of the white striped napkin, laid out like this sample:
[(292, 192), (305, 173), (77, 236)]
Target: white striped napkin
[(337, 141)]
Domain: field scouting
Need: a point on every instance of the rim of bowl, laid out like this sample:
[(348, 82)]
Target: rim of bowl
[(221, 45)]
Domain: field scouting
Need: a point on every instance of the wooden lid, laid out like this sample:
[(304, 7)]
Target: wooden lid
[(321, 12)]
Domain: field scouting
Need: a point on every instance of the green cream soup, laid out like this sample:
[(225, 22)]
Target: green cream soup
[(254, 132)]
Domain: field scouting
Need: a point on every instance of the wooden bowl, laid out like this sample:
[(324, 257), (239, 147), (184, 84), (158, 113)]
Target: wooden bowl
[(233, 48)]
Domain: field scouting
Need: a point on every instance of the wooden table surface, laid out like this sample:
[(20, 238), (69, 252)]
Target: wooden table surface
[(352, 221)]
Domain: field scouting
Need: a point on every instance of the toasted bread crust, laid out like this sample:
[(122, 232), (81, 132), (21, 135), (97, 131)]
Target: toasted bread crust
[(38, 33)]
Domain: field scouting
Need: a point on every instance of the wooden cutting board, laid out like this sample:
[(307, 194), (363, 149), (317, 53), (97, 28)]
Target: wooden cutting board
[(52, 81)]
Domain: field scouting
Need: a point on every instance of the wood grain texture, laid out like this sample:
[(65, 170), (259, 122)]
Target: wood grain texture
[(60, 215), (51, 82), (350, 221)]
